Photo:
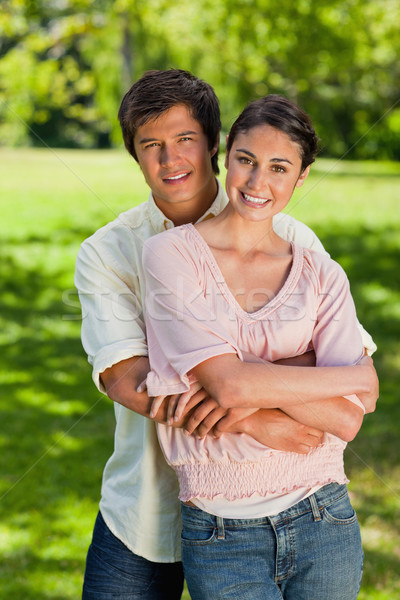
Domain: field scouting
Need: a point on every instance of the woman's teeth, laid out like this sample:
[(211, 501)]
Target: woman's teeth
[(254, 199)]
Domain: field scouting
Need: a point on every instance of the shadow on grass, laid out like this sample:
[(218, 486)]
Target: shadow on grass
[(57, 429), (371, 260)]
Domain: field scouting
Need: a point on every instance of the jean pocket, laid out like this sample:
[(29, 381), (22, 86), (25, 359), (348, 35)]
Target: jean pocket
[(340, 511), (199, 536)]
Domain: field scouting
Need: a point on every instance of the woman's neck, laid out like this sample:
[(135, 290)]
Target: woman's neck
[(230, 230)]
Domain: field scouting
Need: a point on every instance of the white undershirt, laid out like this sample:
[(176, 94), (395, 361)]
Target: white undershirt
[(254, 507)]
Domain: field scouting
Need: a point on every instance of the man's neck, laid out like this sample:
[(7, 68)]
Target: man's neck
[(190, 211)]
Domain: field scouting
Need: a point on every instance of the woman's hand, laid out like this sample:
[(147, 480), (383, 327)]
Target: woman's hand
[(179, 404), (369, 398)]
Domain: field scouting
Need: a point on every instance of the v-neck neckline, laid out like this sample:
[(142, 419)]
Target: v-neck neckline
[(271, 305)]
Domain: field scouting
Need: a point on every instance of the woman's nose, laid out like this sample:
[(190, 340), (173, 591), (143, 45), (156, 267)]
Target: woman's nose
[(258, 180)]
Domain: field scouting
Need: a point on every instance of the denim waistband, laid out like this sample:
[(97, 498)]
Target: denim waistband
[(321, 498)]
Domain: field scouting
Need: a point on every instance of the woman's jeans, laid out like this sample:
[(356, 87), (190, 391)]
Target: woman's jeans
[(311, 551)]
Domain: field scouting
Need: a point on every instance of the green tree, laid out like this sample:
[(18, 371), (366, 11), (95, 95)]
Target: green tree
[(64, 66)]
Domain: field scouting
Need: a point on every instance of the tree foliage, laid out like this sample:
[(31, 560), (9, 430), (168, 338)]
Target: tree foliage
[(65, 64)]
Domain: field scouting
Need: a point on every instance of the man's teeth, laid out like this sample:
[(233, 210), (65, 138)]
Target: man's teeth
[(255, 200), (177, 176)]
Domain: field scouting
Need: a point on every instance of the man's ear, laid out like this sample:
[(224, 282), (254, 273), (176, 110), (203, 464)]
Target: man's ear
[(214, 149), (226, 154), (303, 177)]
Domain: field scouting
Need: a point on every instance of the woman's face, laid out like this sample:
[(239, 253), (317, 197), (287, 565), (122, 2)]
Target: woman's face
[(264, 168)]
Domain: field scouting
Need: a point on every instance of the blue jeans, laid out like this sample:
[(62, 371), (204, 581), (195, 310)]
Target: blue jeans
[(311, 551), (114, 572)]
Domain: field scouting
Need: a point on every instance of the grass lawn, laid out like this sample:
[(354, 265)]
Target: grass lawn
[(57, 429)]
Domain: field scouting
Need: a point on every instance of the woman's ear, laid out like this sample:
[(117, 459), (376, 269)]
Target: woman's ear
[(303, 176)]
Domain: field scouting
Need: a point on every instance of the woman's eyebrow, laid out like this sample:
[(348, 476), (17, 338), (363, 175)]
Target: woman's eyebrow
[(273, 160), (281, 160), (246, 152)]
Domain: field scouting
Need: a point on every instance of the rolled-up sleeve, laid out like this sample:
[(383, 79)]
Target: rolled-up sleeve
[(112, 321), (336, 337), (295, 231)]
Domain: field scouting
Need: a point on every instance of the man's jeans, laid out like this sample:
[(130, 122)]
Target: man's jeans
[(311, 551), (114, 572)]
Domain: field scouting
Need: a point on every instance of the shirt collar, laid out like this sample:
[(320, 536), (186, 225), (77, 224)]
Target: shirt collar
[(160, 222)]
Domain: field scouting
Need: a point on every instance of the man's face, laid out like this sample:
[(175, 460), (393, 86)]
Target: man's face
[(173, 155)]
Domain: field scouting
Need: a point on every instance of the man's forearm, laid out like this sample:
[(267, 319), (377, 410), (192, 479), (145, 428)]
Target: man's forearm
[(121, 382)]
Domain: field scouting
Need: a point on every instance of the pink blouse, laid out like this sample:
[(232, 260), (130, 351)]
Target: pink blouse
[(191, 315)]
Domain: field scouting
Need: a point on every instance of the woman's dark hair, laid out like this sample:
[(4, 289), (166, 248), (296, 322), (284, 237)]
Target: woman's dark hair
[(158, 91), (284, 115)]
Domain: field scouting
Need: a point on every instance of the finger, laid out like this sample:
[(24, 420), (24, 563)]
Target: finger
[(208, 423), (199, 414), (171, 408), (186, 397), (222, 426), (194, 401), (231, 418), (155, 405), (142, 386), (313, 441)]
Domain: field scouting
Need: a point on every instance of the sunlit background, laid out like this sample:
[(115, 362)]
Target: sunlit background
[(64, 67)]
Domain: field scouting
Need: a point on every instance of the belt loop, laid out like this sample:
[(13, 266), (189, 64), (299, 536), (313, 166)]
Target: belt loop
[(220, 528), (314, 508)]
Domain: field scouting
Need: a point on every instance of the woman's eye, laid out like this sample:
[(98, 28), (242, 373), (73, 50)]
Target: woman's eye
[(245, 161)]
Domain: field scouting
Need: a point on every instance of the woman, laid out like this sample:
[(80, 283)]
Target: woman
[(259, 523)]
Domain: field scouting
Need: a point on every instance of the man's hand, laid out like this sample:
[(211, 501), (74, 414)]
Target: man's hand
[(177, 404), (209, 414)]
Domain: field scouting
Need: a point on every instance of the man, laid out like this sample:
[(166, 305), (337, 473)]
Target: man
[(170, 122)]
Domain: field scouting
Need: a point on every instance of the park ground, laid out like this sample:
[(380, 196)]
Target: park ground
[(57, 429)]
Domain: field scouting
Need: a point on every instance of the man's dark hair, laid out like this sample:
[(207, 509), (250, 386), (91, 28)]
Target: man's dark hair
[(158, 91), (283, 114)]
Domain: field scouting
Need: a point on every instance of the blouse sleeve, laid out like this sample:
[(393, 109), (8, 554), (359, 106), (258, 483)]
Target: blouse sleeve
[(336, 338), (182, 327)]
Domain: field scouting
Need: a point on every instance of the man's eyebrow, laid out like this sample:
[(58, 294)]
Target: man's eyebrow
[(189, 132), (147, 140), (154, 139)]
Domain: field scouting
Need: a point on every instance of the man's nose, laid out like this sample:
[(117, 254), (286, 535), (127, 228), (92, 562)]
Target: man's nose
[(169, 156)]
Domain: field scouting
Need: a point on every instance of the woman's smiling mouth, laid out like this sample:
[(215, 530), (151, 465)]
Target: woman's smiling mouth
[(253, 200)]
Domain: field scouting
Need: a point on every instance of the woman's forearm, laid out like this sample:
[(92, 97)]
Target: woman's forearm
[(233, 383), (338, 416)]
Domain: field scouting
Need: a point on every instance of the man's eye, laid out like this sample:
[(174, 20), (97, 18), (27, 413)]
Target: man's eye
[(245, 161), (185, 139), (152, 145), (278, 169)]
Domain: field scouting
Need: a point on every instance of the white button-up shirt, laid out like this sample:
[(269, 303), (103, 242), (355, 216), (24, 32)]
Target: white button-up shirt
[(139, 498)]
